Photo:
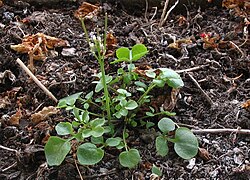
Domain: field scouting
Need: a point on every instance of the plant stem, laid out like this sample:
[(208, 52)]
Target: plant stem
[(124, 138), (140, 101), (106, 93)]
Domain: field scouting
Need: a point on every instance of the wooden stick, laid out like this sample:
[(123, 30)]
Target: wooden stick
[(33, 77), (8, 149), (226, 130), (191, 69), (203, 92)]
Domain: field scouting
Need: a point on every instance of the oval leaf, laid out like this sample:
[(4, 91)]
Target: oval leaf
[(89, 154), (166, 125), (123, 53), (131, 104), (161, 146), (64, 128), (56, 150), (186, 144), (138, 51), (172, 78), (97, 131), (130, 158), (113, 141), (68, 101)]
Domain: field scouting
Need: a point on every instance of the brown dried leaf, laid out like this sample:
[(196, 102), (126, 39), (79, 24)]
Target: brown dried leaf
[(43, 114), (246, 104), (111, 43), (37, 45), (210, 41), (15, 118), (204, 154), (177, 44), (87, 11)]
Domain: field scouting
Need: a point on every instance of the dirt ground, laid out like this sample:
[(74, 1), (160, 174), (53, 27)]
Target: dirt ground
[(223, 74)]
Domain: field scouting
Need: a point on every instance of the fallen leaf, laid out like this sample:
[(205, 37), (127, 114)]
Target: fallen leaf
[(177, 44), (246, 104), (37, 46), (86, 11), (111, 43), (43, 114), (15, 118), (204, 154)]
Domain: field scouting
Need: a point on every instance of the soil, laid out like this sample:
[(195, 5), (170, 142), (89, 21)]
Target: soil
[(223, 74)]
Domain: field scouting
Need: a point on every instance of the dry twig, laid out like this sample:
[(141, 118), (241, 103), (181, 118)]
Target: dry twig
[(203, 92), (227, 130), (36, 80), (165, 14)]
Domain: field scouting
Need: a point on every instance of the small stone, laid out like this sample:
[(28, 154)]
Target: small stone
[(68, 52)]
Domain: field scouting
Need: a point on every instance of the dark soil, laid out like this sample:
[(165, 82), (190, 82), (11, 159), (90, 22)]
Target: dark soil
[(224, 76)]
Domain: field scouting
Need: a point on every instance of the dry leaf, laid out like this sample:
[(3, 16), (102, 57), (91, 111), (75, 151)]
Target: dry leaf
[(43, 114), (182, 21), (37, 46), (240, 7), (86, 11), (111, 43), (246, 104), (204, 154), (15, 118), (177, 44), (210, 41), (1, 3)]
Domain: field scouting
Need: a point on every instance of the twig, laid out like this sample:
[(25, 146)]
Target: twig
[(146, 10), (78, 170), (9, 149), (203, 92), (242, 53), (191, 69), (239, 131), (163, 20), (36, 80), (9, 167)]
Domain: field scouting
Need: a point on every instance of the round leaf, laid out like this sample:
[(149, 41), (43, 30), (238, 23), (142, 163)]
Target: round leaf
[(97, 122), (64, 128), (156, 170), (113, 141), (138, 51), (186, 144), (166, 125), (161, 145), (123, 53), (97, 131), (89, 154), (131, 104), (129, 158), (56, 150)]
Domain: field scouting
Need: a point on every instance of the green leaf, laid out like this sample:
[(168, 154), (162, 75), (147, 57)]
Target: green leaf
[(99, 86), (124, 92), (56, 150), (97, 122), (186, 144), (123, 112), (97, 140), (149, 124), (150, 114), (172, 78), (97, 131), (129, 158), (89, 154), (123, 53), (159, 82), (76, 113), (113, 141), (89, 95), (156, 170), (138, 51), (86, 133), (161, 145), (150, 73), (64, 128), (84, 117), (166, 125), (141, 84), (131, 104), (68, 101)]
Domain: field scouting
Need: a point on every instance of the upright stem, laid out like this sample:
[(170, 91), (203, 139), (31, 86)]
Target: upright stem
[(124, 137), (146, 93), (106, 93)]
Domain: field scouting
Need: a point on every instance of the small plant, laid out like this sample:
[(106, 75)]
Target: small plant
[(102, 118)]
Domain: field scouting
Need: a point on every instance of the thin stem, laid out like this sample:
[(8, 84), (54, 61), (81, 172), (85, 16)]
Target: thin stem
[(140, 101), (85, 31), (124, 137), (106, 93)]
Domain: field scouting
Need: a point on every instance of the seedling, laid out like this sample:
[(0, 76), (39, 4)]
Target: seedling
[(102, 117)]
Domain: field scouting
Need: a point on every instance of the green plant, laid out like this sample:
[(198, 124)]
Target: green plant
[(99, 115)]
